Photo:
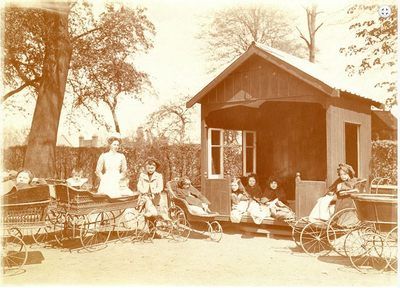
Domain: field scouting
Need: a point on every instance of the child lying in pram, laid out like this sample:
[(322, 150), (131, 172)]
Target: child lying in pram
[(198, 203)]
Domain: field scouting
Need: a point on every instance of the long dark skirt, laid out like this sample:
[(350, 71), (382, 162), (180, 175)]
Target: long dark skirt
[(348, 219)]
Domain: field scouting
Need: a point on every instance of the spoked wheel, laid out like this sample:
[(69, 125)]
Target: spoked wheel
[(368, 252), (140, 228), (163, 227), (180, 228), (60, 228), (148, 232), (14, 254), (313, 239), (339, 225), (353, 235), (96, 230), (215, 231), (391, 240), (15, 232), (127, 225), (43, 234), (297, 227)]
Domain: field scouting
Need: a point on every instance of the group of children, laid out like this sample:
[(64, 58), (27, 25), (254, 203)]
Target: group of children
[(251, 200)]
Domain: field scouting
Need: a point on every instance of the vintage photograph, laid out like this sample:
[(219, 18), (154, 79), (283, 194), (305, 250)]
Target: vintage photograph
[(199, 143)]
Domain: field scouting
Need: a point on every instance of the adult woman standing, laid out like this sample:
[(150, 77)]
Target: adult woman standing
[(114, 166)]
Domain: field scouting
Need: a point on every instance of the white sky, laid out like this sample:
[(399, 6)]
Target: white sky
[(178, 67)]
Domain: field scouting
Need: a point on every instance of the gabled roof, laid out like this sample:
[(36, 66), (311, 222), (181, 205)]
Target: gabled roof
[(308, 72)]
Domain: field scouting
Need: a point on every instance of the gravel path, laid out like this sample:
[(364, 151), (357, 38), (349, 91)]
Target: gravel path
[(237, 260)]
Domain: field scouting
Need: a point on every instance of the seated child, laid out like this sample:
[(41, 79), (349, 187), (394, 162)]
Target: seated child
[(273, 192), (198, 203), (77, 181), (124, 188), (258, 211), (240, 201), (337, 197), (150, 186)]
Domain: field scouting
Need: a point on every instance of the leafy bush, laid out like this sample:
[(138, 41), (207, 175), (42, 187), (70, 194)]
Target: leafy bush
[(384, 160)]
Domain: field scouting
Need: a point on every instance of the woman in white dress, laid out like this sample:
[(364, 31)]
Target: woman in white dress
[(111, 169)]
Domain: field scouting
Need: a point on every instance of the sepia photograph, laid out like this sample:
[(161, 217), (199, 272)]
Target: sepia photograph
[(199, 143)]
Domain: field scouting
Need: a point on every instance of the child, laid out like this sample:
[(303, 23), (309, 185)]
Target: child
[(325, 207), (77, 181), (192, 196), (257, 210), (150, 185), (273, 192), (24, 179), (124, 187), (240, 201)]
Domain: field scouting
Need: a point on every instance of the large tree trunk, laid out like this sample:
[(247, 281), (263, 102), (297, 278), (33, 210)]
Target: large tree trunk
[(116, 123), (40, 153)]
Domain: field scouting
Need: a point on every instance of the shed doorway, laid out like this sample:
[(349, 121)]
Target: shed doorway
[(352, 146)]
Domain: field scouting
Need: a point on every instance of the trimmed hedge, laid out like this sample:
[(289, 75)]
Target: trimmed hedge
[(175, 160), (178, 160), (384, 160)]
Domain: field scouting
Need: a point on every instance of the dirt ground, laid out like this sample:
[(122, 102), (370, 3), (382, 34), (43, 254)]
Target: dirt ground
[(245, 260)]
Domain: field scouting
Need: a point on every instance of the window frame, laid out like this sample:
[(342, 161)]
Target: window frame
[(245, 134), (209, 156)]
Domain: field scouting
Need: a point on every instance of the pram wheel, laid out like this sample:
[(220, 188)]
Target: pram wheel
[(297, 227), (15, 252), (368, 251), (128, 226), (96, 230), (215, 231), (180, 226), (391, 240), (313, 239), (42, 235), (339, 225)]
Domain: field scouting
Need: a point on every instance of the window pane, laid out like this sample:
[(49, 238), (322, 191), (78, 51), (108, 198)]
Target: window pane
[(233, 161), (249, 160), (216, 160), (215, 137), (249, 139)]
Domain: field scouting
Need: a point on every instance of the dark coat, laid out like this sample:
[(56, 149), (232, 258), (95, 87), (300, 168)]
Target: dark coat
[(277, 193), (255, 191), (192, 196)]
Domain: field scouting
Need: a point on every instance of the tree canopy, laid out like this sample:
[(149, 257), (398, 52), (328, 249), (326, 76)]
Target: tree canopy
[(103, 47), (232, 30), (45, 46), (376, 44)]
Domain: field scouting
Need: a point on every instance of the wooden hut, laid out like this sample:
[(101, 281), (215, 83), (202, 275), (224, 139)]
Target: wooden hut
[(294, 119)]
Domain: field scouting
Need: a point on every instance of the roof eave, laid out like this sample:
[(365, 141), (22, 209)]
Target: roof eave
[(195, 99)]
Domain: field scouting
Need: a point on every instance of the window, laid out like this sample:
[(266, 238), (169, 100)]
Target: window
[(231, 151), (249, 152), (215, 153)]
